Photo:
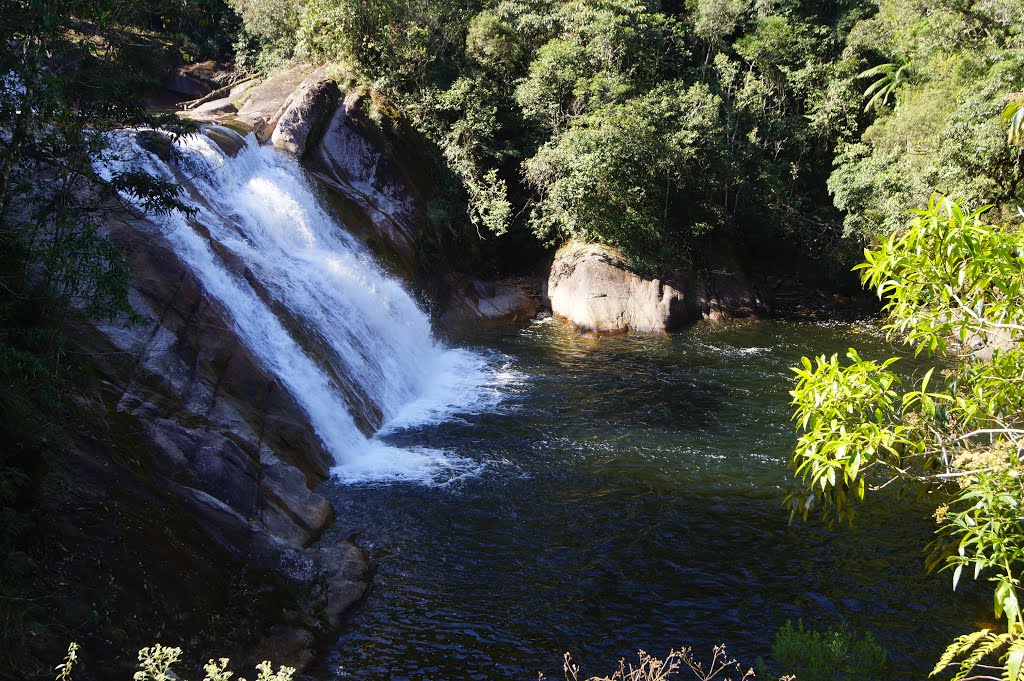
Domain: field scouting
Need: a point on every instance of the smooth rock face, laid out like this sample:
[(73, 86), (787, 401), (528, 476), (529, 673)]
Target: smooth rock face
[(210, 73), (590, 286), (216, 107), (472, 303), (229, 141), (210, 435), (354, 158), (215, 419), (305, 115), (186, 86), (984, 346)]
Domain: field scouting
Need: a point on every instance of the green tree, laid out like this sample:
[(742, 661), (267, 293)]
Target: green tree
[(953, 287), (71, 71), (948, 68), (621, 175)]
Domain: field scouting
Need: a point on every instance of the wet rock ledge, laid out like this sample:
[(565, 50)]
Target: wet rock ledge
[(190, 495)]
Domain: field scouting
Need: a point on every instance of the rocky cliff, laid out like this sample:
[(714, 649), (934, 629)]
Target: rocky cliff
[(191, 495)]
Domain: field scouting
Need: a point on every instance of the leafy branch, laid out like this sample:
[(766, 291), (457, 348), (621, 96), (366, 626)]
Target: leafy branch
[(953, 287)]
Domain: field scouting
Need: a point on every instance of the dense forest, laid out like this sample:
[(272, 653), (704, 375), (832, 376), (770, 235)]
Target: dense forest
[(794, 133), (660, 129)]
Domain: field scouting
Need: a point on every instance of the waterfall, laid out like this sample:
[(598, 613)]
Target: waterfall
[(343, 337)]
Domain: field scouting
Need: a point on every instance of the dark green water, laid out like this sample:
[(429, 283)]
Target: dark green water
[(630, 498)]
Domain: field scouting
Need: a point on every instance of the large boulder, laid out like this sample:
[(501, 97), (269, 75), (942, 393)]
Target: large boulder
[(212, 74), (212, 109), (266, 102), (591, 287), (185, 86), (303, 118)]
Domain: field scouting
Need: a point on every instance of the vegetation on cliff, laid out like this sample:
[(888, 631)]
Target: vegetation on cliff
[(69, 71), (944, 74)]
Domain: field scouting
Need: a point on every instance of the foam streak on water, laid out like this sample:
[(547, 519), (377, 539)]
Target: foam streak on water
[(341, 335)]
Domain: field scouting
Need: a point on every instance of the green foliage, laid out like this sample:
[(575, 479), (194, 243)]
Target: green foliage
[(650, 668), (623, 174), (203, 29), (493, 43), (888, 80), (518, 96), (1013, 118), (975, 648), (952, 285), (269, 35), (828, 656), (715, 20), (947, 68), (949, 276), (850, 422), (891, 101), (65, 668)]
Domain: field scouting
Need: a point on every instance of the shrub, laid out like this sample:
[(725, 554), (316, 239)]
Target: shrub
[(155, 665), (828, 655), (651, 668)]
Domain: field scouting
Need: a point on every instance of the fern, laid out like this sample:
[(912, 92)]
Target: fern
[(975, 648), (987, 645), (1014, 661), (959, 646)]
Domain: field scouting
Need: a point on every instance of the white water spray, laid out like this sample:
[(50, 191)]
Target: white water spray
[(344, 338)]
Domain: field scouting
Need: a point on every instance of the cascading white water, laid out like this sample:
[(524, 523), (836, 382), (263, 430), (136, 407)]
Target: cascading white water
[(342, 336)]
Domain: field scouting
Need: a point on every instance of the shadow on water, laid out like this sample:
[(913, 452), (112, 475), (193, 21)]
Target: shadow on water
[(630, 498)]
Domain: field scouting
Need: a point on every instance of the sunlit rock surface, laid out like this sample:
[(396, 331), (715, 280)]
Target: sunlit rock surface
[(591, 287)]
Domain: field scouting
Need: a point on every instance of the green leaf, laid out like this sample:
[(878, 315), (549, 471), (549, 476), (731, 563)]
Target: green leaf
[(1014, 662), (927, 377)]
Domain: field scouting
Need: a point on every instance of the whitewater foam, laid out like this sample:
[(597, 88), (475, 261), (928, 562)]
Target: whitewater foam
[(341, 335)]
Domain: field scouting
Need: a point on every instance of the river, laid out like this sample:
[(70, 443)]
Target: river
[(626, 494)]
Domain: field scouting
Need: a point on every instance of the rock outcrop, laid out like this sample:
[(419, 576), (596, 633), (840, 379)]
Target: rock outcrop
[(267, 101), (355, 158), (591, 287), (469, 303), (185, 86), (304, 116), (726, 294), (206, 444), (213, 108)]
